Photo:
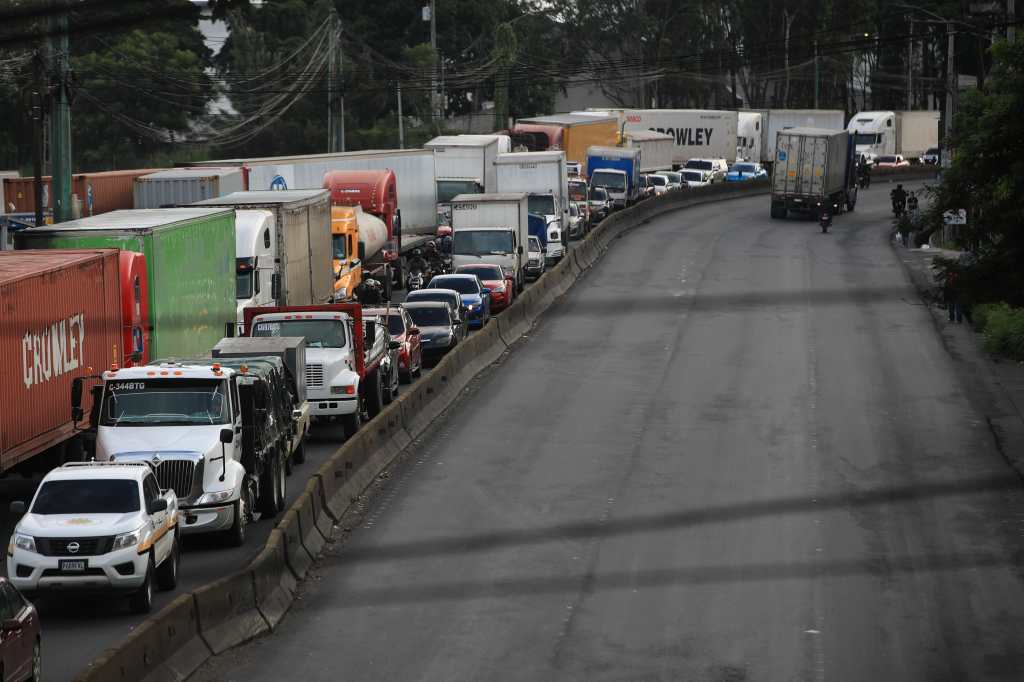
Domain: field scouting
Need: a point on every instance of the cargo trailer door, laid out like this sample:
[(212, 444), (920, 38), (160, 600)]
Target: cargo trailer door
[(815, 155)]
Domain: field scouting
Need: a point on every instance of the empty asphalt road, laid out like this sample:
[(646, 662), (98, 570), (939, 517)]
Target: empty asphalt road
[(735, 451)]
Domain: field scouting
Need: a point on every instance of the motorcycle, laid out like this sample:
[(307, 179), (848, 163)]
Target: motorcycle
[(825, 220), (864, 181), (415, 280), (898, 208)]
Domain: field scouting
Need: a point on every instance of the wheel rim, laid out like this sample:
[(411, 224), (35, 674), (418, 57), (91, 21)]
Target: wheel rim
[(37, 663), (282, 483), (243, 513)]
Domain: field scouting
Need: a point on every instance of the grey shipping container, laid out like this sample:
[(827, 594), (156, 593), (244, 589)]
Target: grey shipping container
[(183, 186), (291, 350), (303, 229), (812, 166)]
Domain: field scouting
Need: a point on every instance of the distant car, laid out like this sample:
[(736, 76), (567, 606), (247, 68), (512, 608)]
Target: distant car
[(449, 296), (439, 330), (573, 168), (403, 332), (600, 204), (931, 157), (577, 226), (21, 655), (891, 161), (696, 178), (536, 262), (675, 179), (645, 188), (475, 296), (659, 182), (501, 284), (745, 171), (716, 168)]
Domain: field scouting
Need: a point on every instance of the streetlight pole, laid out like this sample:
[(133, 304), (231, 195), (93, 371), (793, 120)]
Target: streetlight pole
[(816, 73), (910, 67)]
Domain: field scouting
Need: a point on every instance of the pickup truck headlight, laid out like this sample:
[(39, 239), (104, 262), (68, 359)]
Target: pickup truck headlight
[(215, 498), (25, 542), (127, 539)]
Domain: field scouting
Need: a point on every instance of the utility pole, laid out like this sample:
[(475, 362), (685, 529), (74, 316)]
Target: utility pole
[(401, 124), (1011, 16), (434, 99), (335, 99), (910, 67), (60, 121), (816, 73), (951, 87), (38, 118)]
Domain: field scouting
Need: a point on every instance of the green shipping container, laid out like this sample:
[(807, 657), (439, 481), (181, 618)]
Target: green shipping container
[(190, 259)]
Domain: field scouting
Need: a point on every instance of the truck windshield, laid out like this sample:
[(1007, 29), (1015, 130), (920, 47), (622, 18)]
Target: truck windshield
[(88, 496), (699, 165), (577, 191), (318, 333), (541, 204), (482, 243), (674, 178), (693, 176), (430, 317), (243, 285), (449, 189), (163, 402), (867, 138), (615, 182), (338, 243)]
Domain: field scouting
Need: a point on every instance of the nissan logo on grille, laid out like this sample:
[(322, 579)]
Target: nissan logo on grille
[(73, 547)]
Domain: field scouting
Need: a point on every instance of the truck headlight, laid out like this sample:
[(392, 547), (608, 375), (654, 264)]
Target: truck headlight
[(25, 542), (127, 539), (343, 390), (215, 498)]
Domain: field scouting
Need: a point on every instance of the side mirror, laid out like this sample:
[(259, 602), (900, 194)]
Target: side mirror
[(275, 286), (11, 625), (227, 436), (157, 505), (394, 345), (76, 399), (413, 331), (229, 329), (362, 251), (519, 249), (18, 507)]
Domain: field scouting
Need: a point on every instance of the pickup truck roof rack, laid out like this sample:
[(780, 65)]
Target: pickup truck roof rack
[(94, 463)]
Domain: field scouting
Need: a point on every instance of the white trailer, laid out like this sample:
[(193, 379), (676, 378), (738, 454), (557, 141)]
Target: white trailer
[(414, 170), (748, 136), (492, 228), (908, 133), (544, 177), (656, 149), (463, 164), (774, 120), (698, 133)]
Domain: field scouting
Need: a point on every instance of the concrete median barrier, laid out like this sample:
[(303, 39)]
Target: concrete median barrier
[(310, 535), (513, 323), (295, 554), (321, 516), (273, 582), (228, 614), (337, 472), (165, 647), (386, 431)]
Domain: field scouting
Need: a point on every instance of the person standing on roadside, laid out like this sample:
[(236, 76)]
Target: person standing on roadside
[(951, 294)]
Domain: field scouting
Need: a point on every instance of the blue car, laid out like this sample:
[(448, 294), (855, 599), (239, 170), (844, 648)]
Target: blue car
[(745, 171), (476, 299)]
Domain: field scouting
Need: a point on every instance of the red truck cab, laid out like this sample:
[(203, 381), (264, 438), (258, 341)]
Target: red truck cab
[(134, 308), (536, 137), (375, 190)]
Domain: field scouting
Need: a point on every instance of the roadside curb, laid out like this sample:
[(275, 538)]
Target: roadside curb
[(254, 600)]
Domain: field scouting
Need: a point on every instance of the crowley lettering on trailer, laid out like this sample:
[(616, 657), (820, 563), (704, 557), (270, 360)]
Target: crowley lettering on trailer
[(53, 351), (688, 137)]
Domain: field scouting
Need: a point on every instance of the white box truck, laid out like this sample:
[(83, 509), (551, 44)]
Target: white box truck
[(413, 168), (813, 168), (463, 164), (492, 228), (544, 177), (656, 149), (698, 133), (886, 133), (748, 136), (774, 120)]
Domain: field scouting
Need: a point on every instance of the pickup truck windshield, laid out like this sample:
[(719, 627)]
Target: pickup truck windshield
[(693, 176), (541, 204), (699, 165), (449, 189), (164, 402), (318, 333), (675, 178), (482, 243), (659, 180), (430, 317), (88, 496), (614, 182)]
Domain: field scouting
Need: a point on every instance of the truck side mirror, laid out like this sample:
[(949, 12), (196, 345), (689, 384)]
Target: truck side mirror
[(519, 249), (229, 329), (362, 251), (76, 399), (157, 505), (17, 507), (227, 436), (275, 286)]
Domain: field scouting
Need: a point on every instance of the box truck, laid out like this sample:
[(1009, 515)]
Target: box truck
[(570, 133), (813, 168), (302, 229), (183, 186), (656, 149), (190, 265), (617, 169), (413, 168), (544, 178), (492, 228), (774, 120), (463, 164), (908, 133), (698, 133)]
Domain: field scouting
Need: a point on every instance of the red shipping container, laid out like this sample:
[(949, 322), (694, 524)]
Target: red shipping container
[(60, 318), (111, 191)]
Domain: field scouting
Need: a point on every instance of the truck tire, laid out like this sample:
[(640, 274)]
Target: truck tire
[(270, 486), (851, 200), (374, 394), (299, 456), (141, 600), (779, 210), (167, 572), (350, 423), (236, 534)]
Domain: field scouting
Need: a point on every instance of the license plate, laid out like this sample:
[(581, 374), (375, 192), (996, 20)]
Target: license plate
[(73, 565)]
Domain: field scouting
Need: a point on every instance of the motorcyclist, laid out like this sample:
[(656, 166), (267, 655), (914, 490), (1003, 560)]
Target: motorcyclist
[(864, 173), (418, 262), (912, 203), (369, 292), (899, 199), (433, 256)]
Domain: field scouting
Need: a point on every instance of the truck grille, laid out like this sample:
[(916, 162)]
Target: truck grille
[(86, 546), (176, 474), (314, 376)]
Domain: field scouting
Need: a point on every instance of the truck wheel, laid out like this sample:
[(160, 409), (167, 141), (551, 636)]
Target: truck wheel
[(236, 535), (142, 600), (270, 486), (167, 572), (350, 422), (374, 395), (300, 453)]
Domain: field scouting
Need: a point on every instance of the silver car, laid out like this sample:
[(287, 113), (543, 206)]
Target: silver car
[(536, 263)]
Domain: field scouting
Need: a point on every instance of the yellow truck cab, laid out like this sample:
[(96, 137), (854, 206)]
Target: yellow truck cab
[(348, 269)]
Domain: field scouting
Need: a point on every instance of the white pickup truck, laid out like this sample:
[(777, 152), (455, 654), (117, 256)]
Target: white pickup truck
[(97, 527)]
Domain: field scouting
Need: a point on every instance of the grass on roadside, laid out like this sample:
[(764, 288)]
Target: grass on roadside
[(1002, 327)]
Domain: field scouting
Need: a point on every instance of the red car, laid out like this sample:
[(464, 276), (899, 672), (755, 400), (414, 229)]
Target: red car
[(20, 636), (502, 286), (404, 331)]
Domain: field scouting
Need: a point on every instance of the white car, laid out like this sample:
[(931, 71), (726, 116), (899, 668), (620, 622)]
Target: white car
[(659, 182), (97, 527), (536, 262), (716, 168), (696, 178), (577, 225), (675, 179)]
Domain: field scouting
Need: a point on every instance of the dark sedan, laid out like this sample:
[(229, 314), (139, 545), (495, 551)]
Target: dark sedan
[(20, 636), (439, 330)]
